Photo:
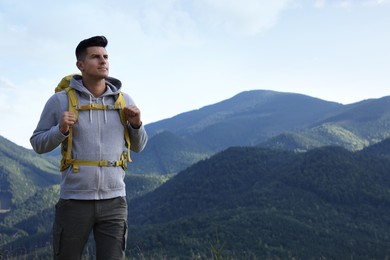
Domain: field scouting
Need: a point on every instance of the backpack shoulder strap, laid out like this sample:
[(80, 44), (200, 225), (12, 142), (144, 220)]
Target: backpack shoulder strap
[(67, 160), (73, 103), (120, 104)]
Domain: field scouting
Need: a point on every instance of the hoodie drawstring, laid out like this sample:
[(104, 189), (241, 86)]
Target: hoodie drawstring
[(94, 106), (90, 110), (105, 112)]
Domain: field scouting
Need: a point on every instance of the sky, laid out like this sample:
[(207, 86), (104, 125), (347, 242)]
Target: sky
[(174, 56)]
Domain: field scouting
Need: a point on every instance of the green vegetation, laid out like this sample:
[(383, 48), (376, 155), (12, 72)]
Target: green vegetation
[(21, 172), (167, 154), (327, 203), (319, 191), (27, 228)]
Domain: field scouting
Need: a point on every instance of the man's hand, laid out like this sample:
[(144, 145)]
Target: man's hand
[(133, 115), (68, 119)]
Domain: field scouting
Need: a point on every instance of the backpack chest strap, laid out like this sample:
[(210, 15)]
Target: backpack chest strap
[(119, 163), (98, 107)]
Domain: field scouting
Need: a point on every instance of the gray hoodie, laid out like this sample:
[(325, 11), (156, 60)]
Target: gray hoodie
[(97, 135)]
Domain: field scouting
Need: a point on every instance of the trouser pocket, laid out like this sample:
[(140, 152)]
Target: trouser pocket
[(57, 233), (124, 241)]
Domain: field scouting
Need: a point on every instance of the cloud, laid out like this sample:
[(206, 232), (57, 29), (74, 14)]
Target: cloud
[(20, 107), (376, 2), (170, 21), (243, 17), (345, 4), (39, 37), (6, 83), (8, 90), (185, 19), (319, 3), (167, 19)]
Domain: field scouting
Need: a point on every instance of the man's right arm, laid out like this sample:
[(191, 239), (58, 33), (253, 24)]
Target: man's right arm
[(47, 136)]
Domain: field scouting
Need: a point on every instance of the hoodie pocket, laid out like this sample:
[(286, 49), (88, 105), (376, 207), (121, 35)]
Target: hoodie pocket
[(85, 180)]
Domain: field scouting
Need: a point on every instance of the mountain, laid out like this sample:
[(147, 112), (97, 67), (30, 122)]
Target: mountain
[(247, 201), (241, 203), (21, 172), (266, 118), (257, 203), (354, 127), (247, 118), (322, 135)]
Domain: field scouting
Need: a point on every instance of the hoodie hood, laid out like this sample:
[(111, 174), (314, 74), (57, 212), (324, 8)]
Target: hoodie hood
[(113, 85), (113, 88)]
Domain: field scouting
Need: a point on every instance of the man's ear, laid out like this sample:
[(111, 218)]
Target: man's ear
[(80, 65)]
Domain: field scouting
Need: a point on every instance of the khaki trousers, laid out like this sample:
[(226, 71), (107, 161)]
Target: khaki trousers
[(74, 221)]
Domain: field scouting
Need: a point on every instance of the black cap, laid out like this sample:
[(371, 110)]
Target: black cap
[(99, 41)]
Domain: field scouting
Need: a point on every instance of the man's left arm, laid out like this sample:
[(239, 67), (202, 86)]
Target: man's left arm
[(138, 135)]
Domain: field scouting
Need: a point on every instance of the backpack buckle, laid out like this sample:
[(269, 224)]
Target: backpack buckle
[(111, 163)]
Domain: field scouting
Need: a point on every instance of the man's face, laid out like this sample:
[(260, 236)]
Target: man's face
[(95, 64)]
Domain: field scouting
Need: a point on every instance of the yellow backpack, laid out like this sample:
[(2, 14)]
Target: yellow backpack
[(119, 104)]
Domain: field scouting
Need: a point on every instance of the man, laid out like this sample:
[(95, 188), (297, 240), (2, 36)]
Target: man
[(92, 195)]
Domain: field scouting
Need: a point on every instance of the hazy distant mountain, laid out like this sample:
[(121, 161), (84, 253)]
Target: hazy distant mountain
[(354, 127), (247, 118), (260, 117)]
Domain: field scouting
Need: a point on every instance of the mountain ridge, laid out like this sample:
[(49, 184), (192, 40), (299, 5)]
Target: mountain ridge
[(328, 202), (240, 103), (278, 120)]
